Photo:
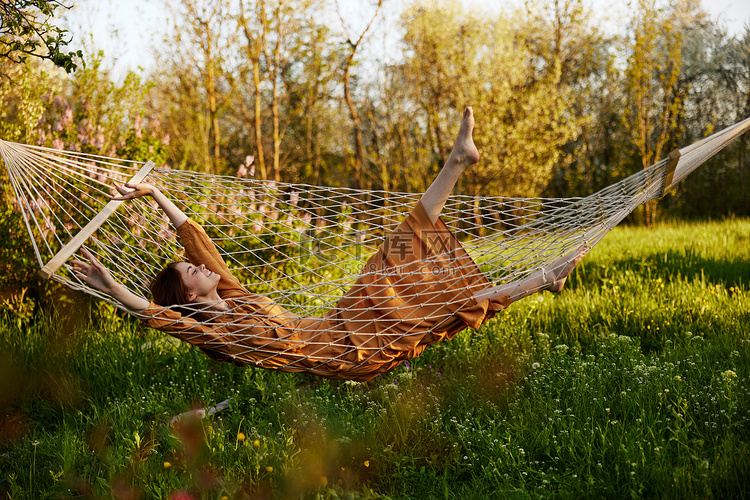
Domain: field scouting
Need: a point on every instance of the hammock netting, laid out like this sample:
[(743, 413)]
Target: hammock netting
[(301, 246)]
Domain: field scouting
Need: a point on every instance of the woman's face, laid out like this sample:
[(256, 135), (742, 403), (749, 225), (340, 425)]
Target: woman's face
[(200, 282)]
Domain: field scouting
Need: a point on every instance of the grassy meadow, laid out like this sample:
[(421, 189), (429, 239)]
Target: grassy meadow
[(634, 382)]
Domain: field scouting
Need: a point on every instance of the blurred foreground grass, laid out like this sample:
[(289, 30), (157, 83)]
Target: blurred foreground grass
[(632, 382)]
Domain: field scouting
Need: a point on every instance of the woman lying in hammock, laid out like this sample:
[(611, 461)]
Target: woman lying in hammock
[(419, 288)]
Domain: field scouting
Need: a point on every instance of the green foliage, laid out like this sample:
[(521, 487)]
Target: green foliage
[(76, 115), (456, 57), (23, 293), (651, 118), (23, 99), (17, 263), (22, 290), (27, 27), (632, 382), (82, 117)]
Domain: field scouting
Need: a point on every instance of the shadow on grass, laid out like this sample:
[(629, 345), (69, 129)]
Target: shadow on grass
[(669, 265)]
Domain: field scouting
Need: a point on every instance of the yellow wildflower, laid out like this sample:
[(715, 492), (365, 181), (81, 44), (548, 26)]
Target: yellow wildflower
[(240, 436)]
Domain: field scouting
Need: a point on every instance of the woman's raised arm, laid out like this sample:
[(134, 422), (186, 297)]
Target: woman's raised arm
[(131, 191), (97, 276)]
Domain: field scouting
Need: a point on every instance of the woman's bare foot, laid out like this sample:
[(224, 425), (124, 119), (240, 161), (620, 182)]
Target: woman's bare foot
[(557, 272), (464, 154), (464, 151)]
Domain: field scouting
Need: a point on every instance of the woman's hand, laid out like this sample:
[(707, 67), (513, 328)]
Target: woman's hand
[(94, 273), (97, 276), (130, 191)]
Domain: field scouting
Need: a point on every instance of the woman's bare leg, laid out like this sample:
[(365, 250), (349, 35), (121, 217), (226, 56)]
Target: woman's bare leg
[(464, 153), (551, 277)]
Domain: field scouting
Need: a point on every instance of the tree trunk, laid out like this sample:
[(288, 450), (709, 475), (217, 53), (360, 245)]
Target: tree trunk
[(275, 99), (254, 50), (360, 154), (359, 150), (211, 88), (258, 120), (477, 209)]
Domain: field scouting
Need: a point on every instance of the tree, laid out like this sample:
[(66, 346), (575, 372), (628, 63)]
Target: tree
[(26, 27), (563, 32), (24, 95), (288, 65), (255, 48), (716, 79), (456, 58), (740, 85), (360, 152), (88, 113), (192, 95), (706, 86), (654, 102)]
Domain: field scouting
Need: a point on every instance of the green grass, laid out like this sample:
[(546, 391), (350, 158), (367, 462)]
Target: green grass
[(633, 382)]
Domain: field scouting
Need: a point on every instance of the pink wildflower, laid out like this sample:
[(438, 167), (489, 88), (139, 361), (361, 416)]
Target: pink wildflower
[(98, 141), (67, 117), (137, 127)]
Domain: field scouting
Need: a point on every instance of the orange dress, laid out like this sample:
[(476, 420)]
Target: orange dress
[(417, 289)]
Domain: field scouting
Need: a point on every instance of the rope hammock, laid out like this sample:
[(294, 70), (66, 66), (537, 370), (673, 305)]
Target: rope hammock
[(300, 247)]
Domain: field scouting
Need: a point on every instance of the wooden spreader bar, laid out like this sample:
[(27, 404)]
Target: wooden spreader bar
[(72, 247), (674, 159)]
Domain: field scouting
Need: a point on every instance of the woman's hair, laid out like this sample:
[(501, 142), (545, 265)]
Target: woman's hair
[(169, 290)]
